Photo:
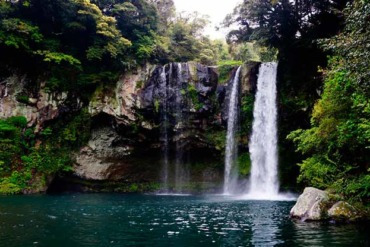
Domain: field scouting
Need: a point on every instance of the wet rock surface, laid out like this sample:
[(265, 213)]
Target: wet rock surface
[(343, 211), (318, 205), (38, 107), (310, 204)]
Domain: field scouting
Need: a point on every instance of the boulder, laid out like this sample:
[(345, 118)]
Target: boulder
[(310, 205), (343, 211)]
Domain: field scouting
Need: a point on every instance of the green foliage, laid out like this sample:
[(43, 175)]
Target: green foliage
[(246, 51), (70, 40), (71, 44), (216, 138), (244, 164), (24, 165), (19, 121), (10, 141), (58, 58), (109, 39), (353, 42), (72, 132), (145, 48), (193, 94), (246, 113), (157, 104), (7, 187), (276, 22), (19, 34), (181, 40), (134, 187), (23, 99), (225, 68), (139, 84), (337, 143), (318, 172), (357, 187), (220, 51)]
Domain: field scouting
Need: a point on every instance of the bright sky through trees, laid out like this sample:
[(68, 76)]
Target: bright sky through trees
[(215, 9)]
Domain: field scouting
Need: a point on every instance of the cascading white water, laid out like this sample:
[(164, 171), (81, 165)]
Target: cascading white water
[(230, 176), (263, 144), (174, 171), (181, 169), (164, 130)]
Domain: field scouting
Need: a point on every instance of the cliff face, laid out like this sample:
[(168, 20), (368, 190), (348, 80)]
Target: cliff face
[(174, 104), (37, 105), (178, 110)]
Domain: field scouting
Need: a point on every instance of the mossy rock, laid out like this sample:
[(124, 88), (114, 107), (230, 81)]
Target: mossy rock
[(343, 211)]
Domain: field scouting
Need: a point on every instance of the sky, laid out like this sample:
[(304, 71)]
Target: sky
[(215, 9)]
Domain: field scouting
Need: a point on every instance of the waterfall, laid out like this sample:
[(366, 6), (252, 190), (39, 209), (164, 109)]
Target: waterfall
[(173, 107), (263, 143), (181, 170), (178, 116), (230, 177), (164, 130)]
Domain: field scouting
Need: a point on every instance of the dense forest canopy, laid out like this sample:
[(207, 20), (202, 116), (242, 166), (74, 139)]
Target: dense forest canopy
[(96, 40)]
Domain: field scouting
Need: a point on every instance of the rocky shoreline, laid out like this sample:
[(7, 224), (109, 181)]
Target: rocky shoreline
[(319, 205)]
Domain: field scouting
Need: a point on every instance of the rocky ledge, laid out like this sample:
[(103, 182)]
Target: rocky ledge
[(318, 205)]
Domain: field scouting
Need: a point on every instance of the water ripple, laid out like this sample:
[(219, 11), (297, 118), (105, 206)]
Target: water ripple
[(121, 220)]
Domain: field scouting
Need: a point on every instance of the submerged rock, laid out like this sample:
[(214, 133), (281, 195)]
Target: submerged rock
[(310, 205)]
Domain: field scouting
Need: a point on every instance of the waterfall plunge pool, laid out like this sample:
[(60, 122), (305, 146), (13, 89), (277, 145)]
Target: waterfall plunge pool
[(153, 220)]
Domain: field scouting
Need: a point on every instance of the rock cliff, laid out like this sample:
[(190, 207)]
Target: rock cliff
[(181, 105)]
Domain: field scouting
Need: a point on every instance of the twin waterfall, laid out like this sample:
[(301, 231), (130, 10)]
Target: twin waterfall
[(263, 182), (263, 143)]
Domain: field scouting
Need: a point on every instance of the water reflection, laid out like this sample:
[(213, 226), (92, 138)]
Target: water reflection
[(325, 234)]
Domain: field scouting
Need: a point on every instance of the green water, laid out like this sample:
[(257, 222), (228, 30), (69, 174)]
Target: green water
[(149, 220)]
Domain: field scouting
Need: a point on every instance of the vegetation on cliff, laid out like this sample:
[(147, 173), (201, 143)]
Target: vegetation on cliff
[(29, 159)]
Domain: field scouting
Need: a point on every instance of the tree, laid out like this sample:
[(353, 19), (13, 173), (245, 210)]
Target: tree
[(336, 145), (186, 37), (167, 12), (274, 22), (353, 43)]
